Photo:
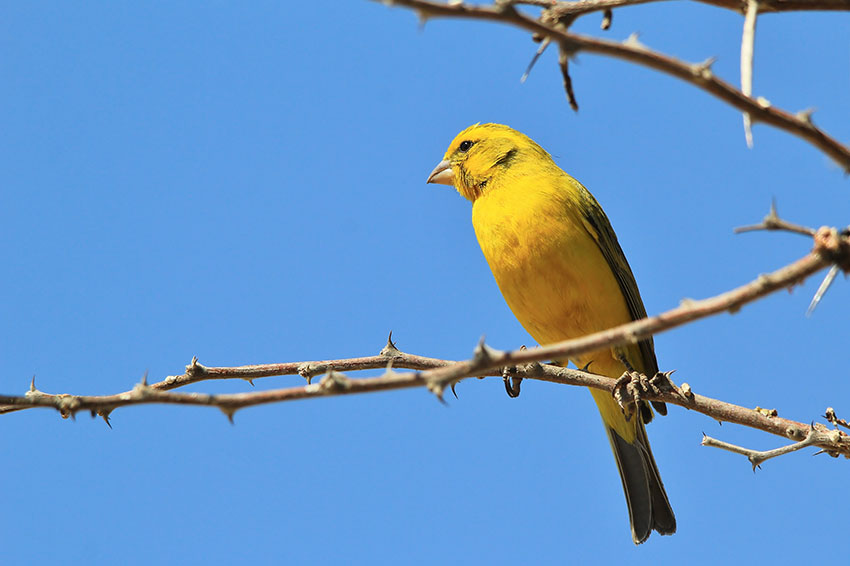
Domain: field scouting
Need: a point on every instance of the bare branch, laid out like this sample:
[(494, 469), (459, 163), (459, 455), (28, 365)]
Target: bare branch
[(773, 222), (776, 6), (335, 384), (697, 74), (831, 247), (814, 437), (583, 7)]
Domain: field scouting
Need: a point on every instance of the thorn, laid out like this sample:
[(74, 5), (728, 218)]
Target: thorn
[(32, 385), (633, 41), (543, 45), (194, 368), (437, 389), (145, 379), (607, 16), (564, 64), (249, 380), (703, 70), (334, 381), (484, 354), (105, 415), (228, 412), (422, 19), (390, 350), (806, 116), (772, 214), (453, 389), (824, 287), (307, 371), (586, 367)]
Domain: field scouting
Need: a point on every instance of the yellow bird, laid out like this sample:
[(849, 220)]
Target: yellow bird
[(562, 272)]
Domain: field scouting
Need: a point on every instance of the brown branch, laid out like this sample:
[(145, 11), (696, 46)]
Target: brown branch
[(583, 7), (697, 74), (773, 222), (777, 6), (334, 384), (815, 437), (831, 247)]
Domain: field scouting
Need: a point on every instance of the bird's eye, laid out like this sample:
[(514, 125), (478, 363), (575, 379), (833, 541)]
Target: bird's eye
[(465, 145)]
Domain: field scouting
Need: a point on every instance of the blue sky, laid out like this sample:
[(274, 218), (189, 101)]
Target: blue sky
[(245, 183)]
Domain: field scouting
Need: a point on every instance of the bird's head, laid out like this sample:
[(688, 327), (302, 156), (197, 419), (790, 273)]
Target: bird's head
[(483, 156)]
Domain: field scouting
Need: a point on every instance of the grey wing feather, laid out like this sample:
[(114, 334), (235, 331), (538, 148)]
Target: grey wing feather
[(606, 239)]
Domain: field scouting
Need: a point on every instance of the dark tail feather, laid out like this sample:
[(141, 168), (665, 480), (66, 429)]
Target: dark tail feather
[(649, 508)]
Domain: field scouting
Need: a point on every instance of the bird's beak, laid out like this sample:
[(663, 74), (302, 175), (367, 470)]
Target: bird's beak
[(442, 174)]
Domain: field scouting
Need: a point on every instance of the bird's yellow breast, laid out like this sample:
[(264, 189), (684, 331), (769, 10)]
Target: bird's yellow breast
[(548, 264)]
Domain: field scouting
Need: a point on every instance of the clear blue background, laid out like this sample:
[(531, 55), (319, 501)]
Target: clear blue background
[(245, 183)]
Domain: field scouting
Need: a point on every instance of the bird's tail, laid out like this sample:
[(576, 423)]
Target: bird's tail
[(649, 508)]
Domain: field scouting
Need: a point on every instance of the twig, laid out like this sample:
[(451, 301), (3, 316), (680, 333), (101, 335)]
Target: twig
[(830, 415), (564, 63), (813, 438), (697, 74), (822, 289), (773, 222)]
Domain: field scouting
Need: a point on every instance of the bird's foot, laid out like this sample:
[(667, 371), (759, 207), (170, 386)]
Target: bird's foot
[(632, 387)]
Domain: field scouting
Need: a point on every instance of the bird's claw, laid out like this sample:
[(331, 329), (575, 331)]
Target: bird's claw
[(512, 385), (627, 391), (632, 386)]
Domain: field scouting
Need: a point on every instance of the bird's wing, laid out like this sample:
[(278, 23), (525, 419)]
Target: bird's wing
[(600, 230)]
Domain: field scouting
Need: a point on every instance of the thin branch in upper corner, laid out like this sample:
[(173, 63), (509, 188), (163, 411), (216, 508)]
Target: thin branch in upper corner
[(747, 49), (697, 74)]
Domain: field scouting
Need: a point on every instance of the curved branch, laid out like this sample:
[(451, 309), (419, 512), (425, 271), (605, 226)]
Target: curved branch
[(697, 74)]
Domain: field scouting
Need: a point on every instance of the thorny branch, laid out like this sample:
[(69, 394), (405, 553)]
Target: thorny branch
[(831, 248), (814, 436), (553, 25)]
